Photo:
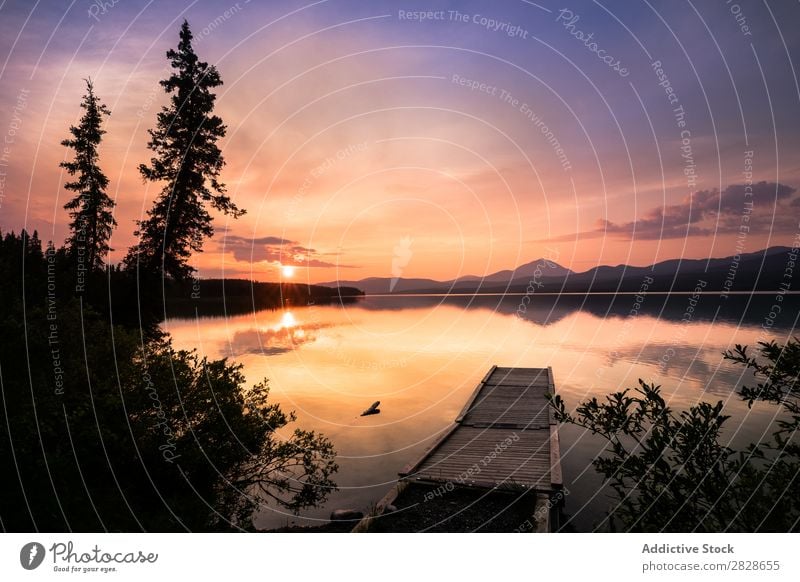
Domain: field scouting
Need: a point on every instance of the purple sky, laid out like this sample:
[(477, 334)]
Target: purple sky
[(483, 137)]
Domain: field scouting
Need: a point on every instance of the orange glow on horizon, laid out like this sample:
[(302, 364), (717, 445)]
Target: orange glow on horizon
[(370, 155)]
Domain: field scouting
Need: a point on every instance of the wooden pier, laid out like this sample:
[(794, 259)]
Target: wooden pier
[(505, 438)]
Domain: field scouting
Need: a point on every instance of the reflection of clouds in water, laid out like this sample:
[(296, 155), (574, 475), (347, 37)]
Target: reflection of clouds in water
[(665, 357), (283, 337), (727, 381), (673, 364), (669, 357)]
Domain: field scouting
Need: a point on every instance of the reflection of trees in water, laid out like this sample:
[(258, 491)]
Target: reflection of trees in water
[(547, 309)]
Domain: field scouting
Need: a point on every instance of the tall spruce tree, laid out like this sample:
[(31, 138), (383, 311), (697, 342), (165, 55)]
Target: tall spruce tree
[(91, 208), (188, 160)]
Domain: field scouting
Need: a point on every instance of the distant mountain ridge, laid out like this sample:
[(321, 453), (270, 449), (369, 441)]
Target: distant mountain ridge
[(380, 285), (541, 265), (756, 271)]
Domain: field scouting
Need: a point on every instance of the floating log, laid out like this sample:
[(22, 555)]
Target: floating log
[(372, 409)]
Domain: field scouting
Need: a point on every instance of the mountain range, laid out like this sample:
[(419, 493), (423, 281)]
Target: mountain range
[(757, 271)]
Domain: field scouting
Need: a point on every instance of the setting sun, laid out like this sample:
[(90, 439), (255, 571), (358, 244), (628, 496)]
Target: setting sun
[(287, 271)]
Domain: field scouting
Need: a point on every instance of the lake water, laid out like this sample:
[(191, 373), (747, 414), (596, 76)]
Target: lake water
[(422, 356)]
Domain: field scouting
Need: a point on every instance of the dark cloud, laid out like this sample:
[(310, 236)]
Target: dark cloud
[(266, 240), (709, 211), (275, 249), (319, 263), (770, 208)]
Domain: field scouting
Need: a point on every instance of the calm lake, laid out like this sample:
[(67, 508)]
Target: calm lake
[(422, 356)]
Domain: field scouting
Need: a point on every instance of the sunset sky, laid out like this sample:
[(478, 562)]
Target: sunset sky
[(487, 136)]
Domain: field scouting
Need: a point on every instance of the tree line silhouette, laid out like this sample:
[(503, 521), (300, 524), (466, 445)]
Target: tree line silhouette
[(106, 427)]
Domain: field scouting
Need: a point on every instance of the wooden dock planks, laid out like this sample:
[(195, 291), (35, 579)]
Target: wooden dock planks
[(504, 437)]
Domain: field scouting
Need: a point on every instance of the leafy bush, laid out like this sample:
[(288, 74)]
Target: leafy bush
[(669, 471)]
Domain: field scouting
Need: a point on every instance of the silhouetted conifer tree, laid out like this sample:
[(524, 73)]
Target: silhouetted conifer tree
[(91, 208), (189, 162)]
